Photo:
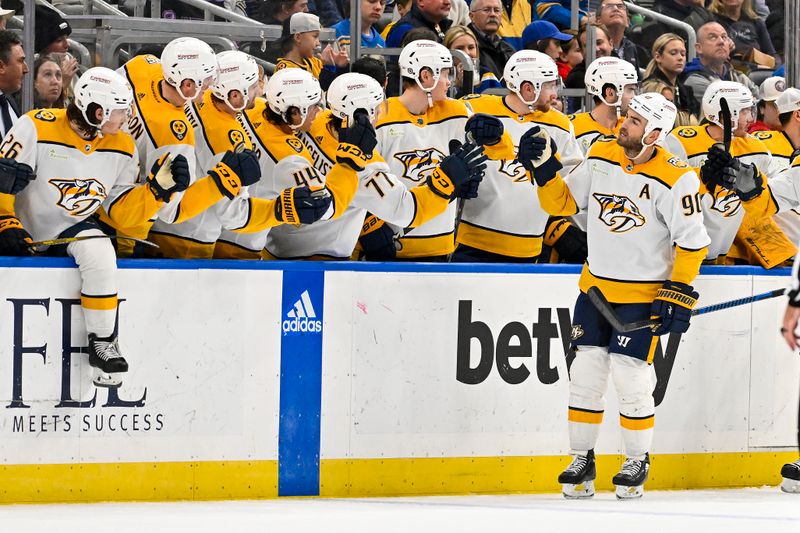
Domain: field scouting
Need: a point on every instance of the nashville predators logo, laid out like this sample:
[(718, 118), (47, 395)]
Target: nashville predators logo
[(45, 115), (618, 212), (236, 137), (726, 202), (419, 164), (677, 163), (79, 196), (296, 145), (179, 129), (763, 135), (513, 169), (687, 133)]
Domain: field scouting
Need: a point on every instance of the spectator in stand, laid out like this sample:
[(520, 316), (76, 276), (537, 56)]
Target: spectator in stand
[(517, 14), (48, 88), (401, 7), (331, 12), (277, 11), (669, 60), (544, 36), (486, 16), (371, 12), (712, 62), (299, 43), (559, 12), (462, 38), (749, 33), (51, 38), (459, 12), (692, 12), (767, 115), (614, 15), (575, 79), (775, 25), (657, 85), (12, 70), (569, 57), (431, 14)]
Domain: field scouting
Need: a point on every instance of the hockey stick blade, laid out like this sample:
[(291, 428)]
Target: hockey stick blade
[(727, 126), (67, 240), (602, 305)]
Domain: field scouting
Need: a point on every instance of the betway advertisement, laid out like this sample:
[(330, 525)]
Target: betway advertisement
[(204, 356), (451, 364)]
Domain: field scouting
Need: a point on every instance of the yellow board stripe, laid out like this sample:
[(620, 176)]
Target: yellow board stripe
[(498, 475), (587, 417), (148, 481), (637, 423), (99, 303)]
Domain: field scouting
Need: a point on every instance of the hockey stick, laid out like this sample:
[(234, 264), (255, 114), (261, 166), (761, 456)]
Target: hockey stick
[(727, 126), (616, 322), (67, 240)]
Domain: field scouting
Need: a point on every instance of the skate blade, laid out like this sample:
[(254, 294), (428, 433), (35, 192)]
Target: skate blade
[(580, 491), (792, 486), (103, 379), (629, 493)]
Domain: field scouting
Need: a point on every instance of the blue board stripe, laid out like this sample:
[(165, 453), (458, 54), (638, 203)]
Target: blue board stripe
[(301, 383), (357, 266)]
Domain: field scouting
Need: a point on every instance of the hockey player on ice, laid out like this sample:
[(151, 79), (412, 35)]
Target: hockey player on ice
[(61, 165), (643, 205)]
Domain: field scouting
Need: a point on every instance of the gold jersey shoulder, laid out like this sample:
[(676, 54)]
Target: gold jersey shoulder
[(750, 145), (490, 104), (552, 117), (163, 122), (664, 166), (584, 123), (776, 142), (396, 112), (221, 130), (52, 126)]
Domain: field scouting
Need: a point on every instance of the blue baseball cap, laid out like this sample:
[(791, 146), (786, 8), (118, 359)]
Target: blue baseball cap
[(542, 29)]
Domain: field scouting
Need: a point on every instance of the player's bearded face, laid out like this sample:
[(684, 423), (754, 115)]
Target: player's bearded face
[(630, 133), (548, 94)]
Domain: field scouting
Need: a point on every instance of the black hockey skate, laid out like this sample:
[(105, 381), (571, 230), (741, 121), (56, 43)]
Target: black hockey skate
[(577, 480), (106, 361), (791, 477), (630, 479)]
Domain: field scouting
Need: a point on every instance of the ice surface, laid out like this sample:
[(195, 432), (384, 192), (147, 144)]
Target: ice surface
[(732, 511)]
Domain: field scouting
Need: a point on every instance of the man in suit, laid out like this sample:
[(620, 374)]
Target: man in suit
[(12, 69)]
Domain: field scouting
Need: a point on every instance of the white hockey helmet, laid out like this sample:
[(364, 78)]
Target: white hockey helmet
[(237, 72), (531, 66), (609, 71), (187, 58), (107, 89), (421, 54), (293, 87), (659, 112), (737, 95), (350, 92)]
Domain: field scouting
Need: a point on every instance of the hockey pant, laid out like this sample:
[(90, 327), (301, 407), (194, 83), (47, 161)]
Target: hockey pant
[(97, 264), (634, 382)]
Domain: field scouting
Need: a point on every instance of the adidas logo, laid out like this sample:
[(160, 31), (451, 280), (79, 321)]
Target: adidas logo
[(301, 318)]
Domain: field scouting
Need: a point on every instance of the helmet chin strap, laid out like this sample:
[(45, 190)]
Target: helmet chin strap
[(644, 147), (531, 104)]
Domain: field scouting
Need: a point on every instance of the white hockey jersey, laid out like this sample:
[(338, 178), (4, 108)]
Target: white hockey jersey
[(645, 223), (74, 177), (412, 146), (722, 211), (284, 162), (588, 130), (779, 145), (378, 191), (506, 217), (216, 132)]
